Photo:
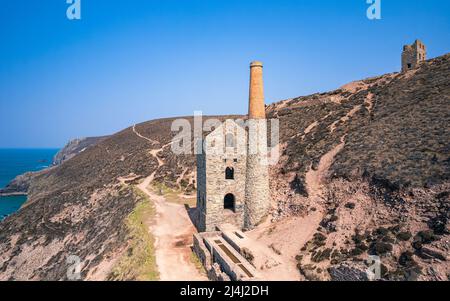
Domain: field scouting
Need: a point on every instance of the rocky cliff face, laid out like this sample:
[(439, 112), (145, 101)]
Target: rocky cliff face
[(18, 186), (364, 171), (74, 147)]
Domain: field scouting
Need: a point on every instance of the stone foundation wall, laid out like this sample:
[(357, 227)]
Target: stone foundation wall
[(233, 270), (213, 270), (200, 250), (215, 274)]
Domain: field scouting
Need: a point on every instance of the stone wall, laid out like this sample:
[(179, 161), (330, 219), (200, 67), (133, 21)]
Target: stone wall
[(215, 274), (236, 271), (212, 184), (213, 270), (200, 250), (201, 193)]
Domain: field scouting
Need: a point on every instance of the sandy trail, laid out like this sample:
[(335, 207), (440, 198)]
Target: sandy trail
[(154, 153), (173, 231), (369, 101), (345, 118), (145, 138), (315, 178), (291, 234), (288, 237)]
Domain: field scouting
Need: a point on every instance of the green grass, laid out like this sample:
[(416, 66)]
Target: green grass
[(161, 188), (172, 195), (138, 261), (197, 263)]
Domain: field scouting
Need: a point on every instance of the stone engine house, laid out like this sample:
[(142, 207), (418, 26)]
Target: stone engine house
[(413, 55), (232, 178), (221, 178)]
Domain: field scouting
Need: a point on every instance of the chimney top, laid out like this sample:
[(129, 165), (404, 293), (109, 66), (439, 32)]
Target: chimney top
[(256, 64)]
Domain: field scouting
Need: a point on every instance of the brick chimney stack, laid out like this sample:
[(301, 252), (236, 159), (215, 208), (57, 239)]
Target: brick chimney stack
[(256, 108)]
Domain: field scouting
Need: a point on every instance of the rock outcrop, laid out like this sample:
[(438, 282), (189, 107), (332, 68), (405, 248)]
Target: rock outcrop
[(18, 186), (346, 272), (74, 147)]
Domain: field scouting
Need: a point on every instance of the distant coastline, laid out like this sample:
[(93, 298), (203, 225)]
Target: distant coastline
[(17, 167), (13, 194)]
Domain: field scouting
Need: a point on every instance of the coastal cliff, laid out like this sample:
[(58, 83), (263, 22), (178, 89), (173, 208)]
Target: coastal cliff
[(74, 147), (20, 184)]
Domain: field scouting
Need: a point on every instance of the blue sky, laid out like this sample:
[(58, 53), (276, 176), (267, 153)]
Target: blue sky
[(130, 61)]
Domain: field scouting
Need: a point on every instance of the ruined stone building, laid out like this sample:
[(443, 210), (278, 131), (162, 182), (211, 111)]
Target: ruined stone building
[(232, 169), (413, 55)]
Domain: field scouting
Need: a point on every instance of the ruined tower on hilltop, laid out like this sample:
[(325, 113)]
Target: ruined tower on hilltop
[(413, 55), (232, 169)]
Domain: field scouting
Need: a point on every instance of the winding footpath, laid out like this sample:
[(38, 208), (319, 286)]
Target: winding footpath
[(172, 230)]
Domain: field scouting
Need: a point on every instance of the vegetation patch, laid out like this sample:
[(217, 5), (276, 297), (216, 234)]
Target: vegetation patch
[(197, 263), (406, 273), (404, 236), (406, 259), (308, 272), (173, 195), (426, 237), (380, 248), (321, 255), (138, 262), (350, 205)]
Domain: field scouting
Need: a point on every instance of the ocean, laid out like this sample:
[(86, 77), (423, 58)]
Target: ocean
[(14, 162)]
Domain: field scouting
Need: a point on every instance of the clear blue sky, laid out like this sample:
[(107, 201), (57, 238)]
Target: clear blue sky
[(129, 61)]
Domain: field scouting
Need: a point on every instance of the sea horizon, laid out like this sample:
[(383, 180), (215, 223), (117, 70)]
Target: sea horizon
[(30, 148)]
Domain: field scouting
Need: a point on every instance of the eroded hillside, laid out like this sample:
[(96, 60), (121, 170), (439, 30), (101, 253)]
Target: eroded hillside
[(364, 170), (368, 164)]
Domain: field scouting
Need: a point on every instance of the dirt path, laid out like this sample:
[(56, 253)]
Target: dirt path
[(369, 101), (145, 138), (289, 235), (345, 118), (309, 129), (154, 153), (314, 178), (172, 230)]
